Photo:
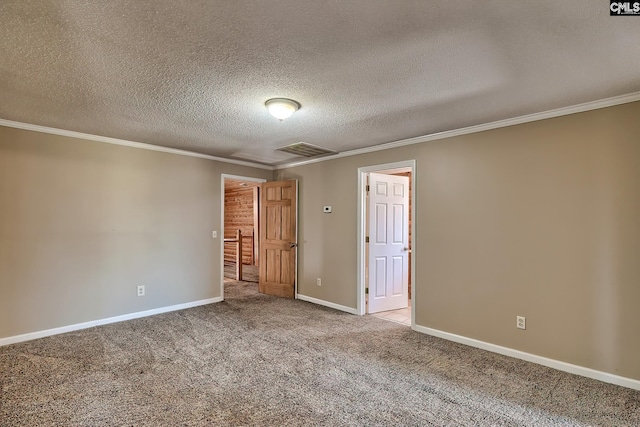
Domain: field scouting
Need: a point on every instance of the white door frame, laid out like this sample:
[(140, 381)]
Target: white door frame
[(224, 177), (362, 232)]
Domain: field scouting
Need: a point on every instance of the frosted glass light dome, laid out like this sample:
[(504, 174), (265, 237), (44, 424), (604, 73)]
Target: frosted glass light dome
[(282, 108)]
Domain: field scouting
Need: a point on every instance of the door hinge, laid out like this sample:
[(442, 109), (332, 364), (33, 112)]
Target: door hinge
[(366, 290), (366, 239), (367, 188)]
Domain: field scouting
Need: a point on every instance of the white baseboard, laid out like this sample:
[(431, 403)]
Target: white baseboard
[(349, 310), (540, 360), (70, 328)]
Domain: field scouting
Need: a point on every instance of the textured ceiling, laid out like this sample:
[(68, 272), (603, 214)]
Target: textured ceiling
[(194, 75)]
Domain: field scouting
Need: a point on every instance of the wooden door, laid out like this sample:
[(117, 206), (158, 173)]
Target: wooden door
[(278, 240), (388, 242)]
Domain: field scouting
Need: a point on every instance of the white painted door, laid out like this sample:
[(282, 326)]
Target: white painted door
[(388, 212)]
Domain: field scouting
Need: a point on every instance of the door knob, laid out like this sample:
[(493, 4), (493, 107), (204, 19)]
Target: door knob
[(407, 250), (293, 245)]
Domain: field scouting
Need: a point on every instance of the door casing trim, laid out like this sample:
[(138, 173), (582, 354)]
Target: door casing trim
[(223, 177), (361, 211)]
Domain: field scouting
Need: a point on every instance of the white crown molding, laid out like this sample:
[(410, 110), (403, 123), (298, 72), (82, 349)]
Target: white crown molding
[(540, 360), (564, 111), (115, 141), (70, 328), (327, 304)]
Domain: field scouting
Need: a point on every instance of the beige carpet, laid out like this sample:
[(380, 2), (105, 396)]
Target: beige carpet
[(255, 360)]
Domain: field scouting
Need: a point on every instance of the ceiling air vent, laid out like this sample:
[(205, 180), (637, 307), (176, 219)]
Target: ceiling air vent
[(305, 150)]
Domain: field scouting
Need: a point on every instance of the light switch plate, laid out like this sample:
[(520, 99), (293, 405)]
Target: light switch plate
[(214, 234), (326, 209)]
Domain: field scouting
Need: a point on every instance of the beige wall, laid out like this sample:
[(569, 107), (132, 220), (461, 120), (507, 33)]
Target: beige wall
[(540, 220), (83, 223)]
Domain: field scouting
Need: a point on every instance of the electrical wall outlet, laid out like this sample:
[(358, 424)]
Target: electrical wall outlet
[(521, 322), (140, 291), (319, 281)]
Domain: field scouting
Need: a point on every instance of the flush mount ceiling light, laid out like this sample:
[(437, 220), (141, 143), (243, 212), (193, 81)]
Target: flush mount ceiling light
[(281, 108)]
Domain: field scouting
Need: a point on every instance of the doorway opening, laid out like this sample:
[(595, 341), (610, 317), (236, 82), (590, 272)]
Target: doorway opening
[(386, 241), (240, 251)]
